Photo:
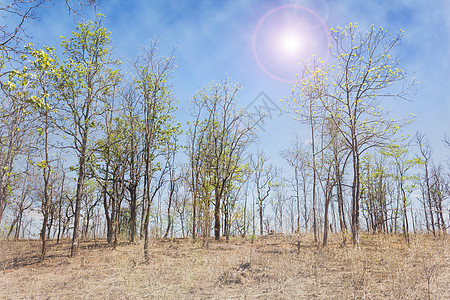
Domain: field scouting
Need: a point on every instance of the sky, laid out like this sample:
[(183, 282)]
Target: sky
[(252, 43)]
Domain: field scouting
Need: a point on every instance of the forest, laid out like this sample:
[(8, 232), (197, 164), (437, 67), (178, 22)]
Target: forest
[(91, 148), (105, 192)]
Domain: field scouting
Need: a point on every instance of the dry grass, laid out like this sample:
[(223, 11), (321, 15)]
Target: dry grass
[(270, 268)]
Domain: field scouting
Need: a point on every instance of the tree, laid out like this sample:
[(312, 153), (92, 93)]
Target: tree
[(22, 199), (278, 203), (41, 92), (349, 90), (61, 201), (218, 138), (15, 128), (332, 165), (375, 188), (426, 152), (401, 167), (305, 106), (361, 79), (132, 112), (439, 193), (76, 6), (91, 198), (86, 76), (152, 81), (108, 164), (298, 159), (173, 180), (264, 176), (17, 13)]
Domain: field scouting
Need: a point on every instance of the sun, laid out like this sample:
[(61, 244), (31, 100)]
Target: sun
[(291, 43), (285, 37)]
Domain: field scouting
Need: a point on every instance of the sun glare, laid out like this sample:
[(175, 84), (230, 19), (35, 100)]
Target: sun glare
[(290, 43), (287, 35)]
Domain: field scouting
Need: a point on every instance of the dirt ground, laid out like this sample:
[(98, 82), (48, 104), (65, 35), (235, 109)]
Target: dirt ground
[(270, 267)]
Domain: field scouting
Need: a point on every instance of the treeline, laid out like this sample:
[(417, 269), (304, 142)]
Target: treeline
[(97, 152)]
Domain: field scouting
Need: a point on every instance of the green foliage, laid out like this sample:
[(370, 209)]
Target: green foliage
[(252, 238)]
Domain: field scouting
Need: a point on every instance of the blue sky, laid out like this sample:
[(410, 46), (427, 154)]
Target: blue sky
[(214, 39)]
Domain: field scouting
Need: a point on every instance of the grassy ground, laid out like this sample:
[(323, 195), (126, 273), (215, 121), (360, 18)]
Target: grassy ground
[(272, 267)]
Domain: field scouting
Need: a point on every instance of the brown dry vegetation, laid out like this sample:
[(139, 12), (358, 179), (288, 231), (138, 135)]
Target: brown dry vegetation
[(273, 267)]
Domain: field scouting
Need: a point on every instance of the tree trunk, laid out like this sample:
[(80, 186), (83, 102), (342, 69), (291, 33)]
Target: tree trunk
[(245, 211), (43, 236), (297, 196), (405, 214), (169, 206), (355, 198), (109, 218), (147, 212), (305, 206), (60, 208), (50, 225), (326, 222), (46, 175), (217, 218), (261, 229), (79, 196), (440, 214), (117, 223), (2, 201), (146, 222), (132, 188), (144, 209), (194, 218), (427, 180), (314, 200)]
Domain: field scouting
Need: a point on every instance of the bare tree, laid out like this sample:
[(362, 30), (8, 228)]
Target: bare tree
[(15, 13), (22, 200), (439, 194), (264, 176), (298, 159), (278, 202), (426, 152), (173, 181)]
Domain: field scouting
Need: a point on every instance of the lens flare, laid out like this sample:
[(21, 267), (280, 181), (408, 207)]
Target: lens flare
[(291, 43), (285, 36)]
